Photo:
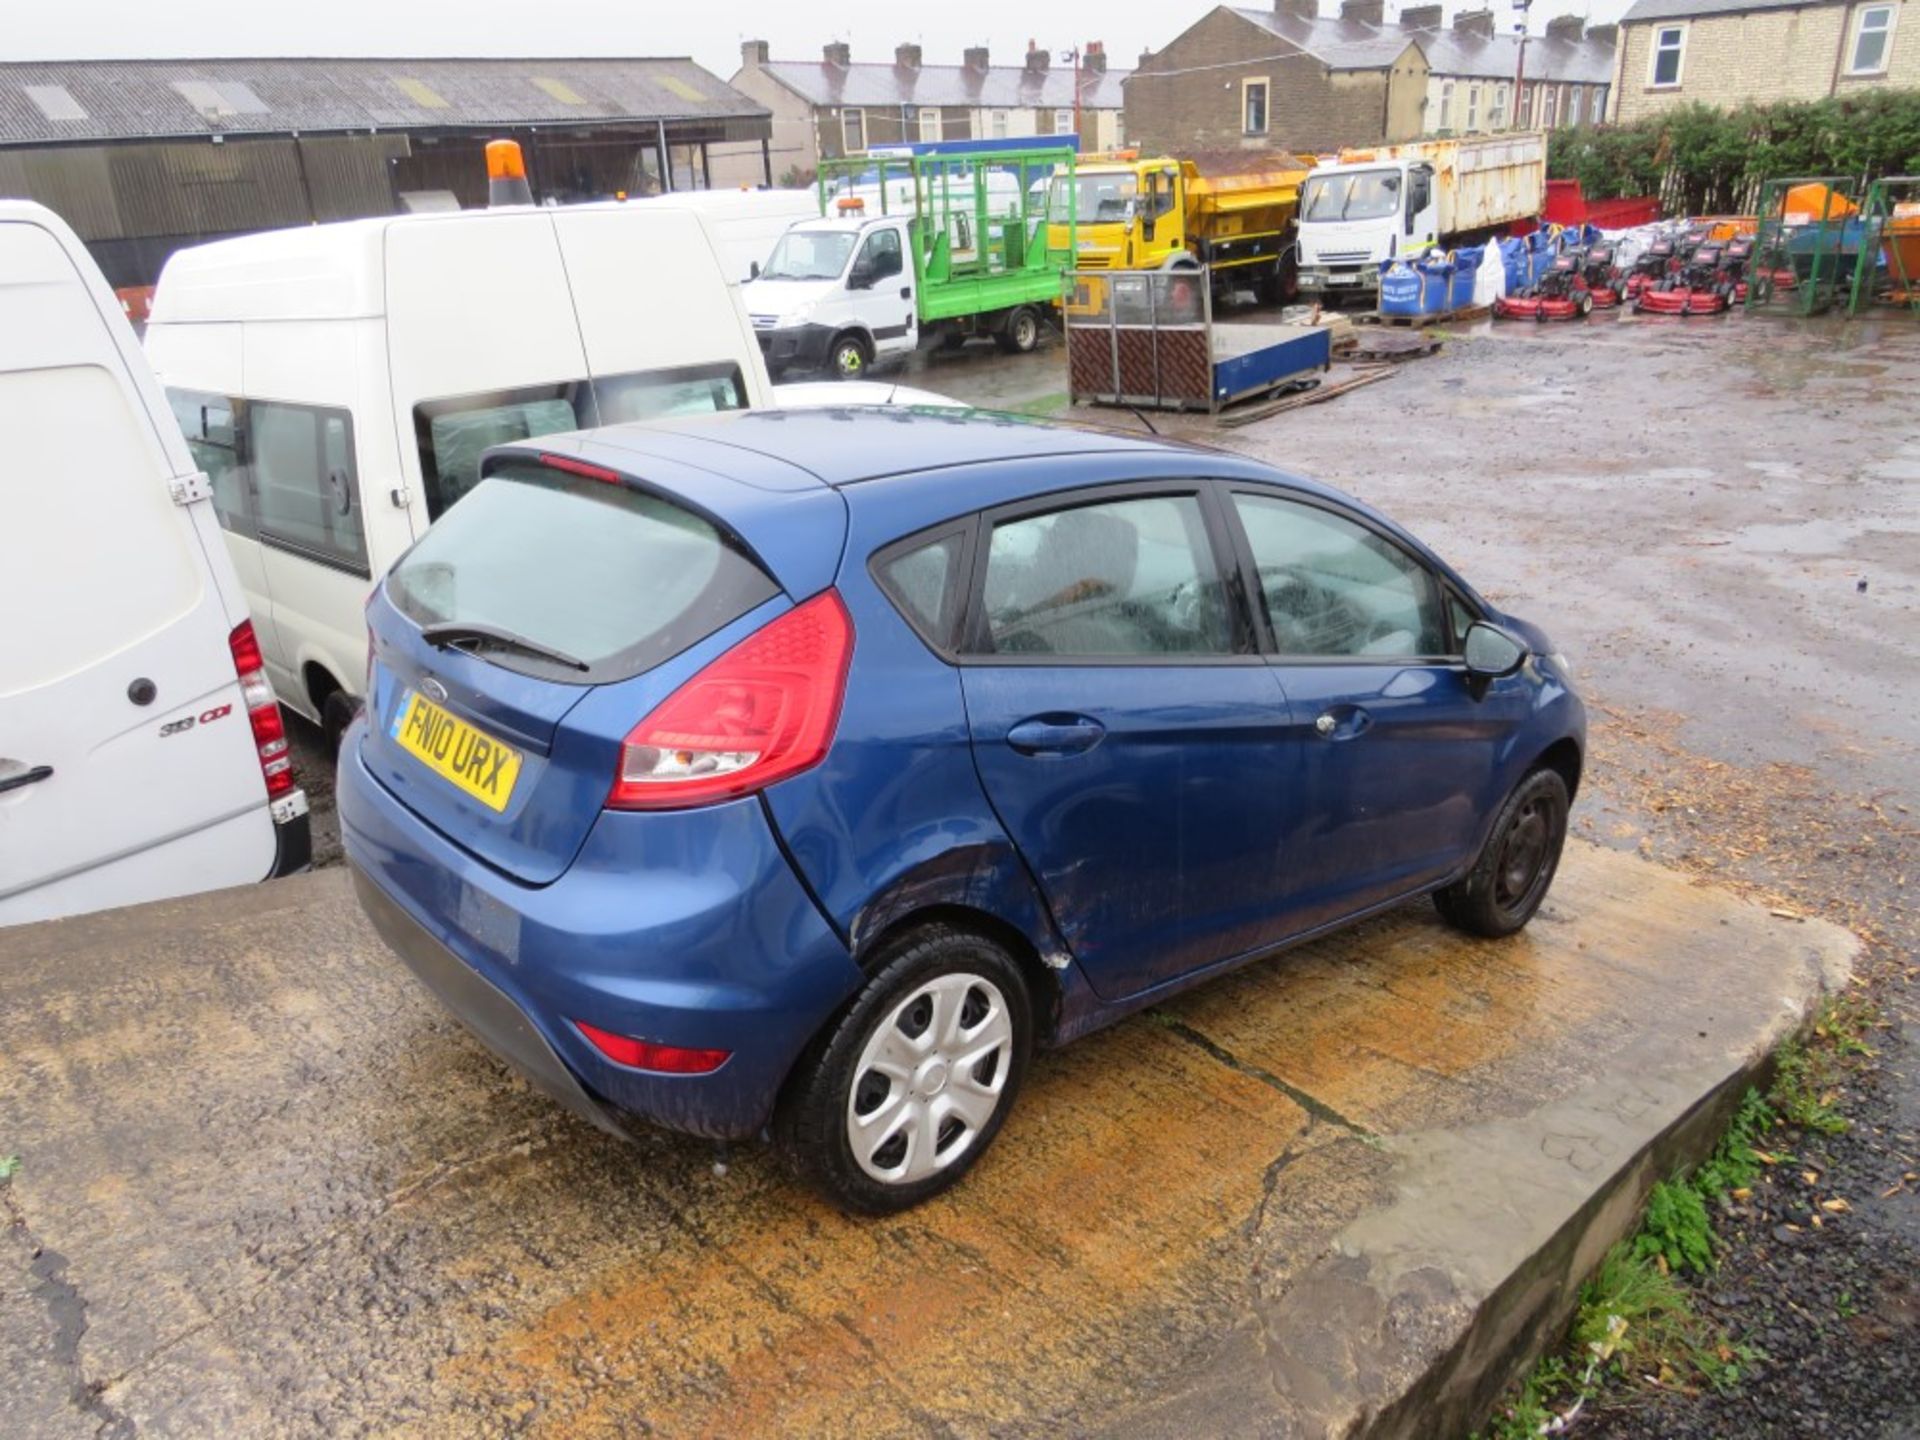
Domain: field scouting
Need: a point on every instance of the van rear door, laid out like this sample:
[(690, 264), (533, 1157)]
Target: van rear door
[(127, 763)]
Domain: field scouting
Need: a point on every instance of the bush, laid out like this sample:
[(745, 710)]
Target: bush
[(1704, 161)]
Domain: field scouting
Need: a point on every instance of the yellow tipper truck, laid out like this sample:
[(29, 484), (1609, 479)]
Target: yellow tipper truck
[(1233, 214)]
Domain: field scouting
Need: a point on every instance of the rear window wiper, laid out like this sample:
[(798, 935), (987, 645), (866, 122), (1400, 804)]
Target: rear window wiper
[(451, 633)]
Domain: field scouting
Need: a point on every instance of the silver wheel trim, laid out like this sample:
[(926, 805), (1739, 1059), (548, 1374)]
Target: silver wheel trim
[(1026, 331), (848, 359), (932, 1078)]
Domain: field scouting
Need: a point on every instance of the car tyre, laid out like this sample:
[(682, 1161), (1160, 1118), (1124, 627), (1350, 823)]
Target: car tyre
[(1515, 868), (1021, 334), (849, 358), (910, 1086)]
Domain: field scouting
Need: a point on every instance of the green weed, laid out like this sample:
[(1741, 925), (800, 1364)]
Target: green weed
[(1676, 1229), (9, 1166)]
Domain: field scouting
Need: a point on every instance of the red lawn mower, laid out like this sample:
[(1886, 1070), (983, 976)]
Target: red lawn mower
[(1655, 264), (1735, 264), (1700, 286), (1601, 275), (1560, 294)]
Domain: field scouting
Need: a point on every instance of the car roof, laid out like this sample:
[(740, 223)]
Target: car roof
[(845, 445)]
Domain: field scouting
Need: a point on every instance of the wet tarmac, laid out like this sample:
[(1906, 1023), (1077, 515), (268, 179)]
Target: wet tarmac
[(268, 1189)]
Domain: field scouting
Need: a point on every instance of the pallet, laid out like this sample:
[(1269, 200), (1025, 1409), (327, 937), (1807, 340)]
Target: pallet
[(1464, 315)]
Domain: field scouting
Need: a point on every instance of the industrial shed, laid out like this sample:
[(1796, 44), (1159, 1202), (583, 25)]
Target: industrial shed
[(142, 157)]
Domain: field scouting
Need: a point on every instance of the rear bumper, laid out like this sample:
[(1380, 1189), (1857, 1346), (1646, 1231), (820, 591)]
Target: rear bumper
[(685, 928), (292, 836), (495, 1021)]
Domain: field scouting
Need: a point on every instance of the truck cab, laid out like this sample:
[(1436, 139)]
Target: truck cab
[(836, 294), (1130, 214), (1354, 217)]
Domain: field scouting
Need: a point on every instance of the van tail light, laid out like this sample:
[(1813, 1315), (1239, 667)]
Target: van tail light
[(645, 1055), (763, 711), (263, 712)]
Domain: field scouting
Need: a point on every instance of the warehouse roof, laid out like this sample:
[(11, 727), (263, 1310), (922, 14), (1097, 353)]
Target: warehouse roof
[(1494, 57), (881, 85), (1340, 43), (52, 101)]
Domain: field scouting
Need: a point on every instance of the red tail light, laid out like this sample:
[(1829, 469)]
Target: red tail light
[(645, 1055), (763, 711), (256, 693)]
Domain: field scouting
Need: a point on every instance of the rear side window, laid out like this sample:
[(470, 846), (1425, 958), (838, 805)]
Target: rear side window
[(208, 423), (922, 581), (606, 574), (455, 432), (305, 493), (1128, 577)]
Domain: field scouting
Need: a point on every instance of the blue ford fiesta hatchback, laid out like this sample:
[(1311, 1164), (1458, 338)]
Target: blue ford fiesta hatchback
[(806, 771)]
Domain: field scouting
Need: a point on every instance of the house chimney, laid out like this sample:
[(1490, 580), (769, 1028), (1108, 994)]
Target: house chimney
[(1474, 22), (1422, 17), (906, 57), (837, 52), (1566, 27), (975, 57), (1366, 11), (1094, 59), (1604, 34), (1146, 58), (753, 53), (1304, 9), (1037, 59)]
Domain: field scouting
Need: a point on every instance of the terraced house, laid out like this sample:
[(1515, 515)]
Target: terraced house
[(1727, 52), (1563, 77), (837, 106)]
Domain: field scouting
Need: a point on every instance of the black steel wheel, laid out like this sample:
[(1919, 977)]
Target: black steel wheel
[(1515, 868)]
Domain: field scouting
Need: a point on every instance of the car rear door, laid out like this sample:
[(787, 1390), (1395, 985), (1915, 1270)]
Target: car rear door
[(126, 756), (1396, 744), (1129, 741)]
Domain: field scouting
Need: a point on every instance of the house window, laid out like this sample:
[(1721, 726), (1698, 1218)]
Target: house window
[(1445, 122), (1550, 109), (1497, 113), (1063, 122), (1668, 43), (1253, 107), (853, 131), (1577, 110), (999, 124), (1872, 29), (1473, 107), (929, 124)]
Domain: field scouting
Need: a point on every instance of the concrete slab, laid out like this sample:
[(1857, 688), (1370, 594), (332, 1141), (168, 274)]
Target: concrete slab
[(1327, 1195)]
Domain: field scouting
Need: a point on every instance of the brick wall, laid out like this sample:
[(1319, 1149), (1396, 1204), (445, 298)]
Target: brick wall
[(1776, 55), (1187, 96)]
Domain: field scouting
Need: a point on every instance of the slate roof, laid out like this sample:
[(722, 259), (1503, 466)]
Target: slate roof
[(1339, 44), (1579, 62), (1003, 87), (1686, 9), (71, 100)]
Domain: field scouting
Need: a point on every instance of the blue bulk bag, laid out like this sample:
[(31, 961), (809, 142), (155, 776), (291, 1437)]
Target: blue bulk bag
[(1466, 266), (1513, 257), (1400, 289)]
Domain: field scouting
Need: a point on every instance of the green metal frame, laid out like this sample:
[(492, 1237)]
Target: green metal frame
[(1891, 284), (1005, 260), (1815, 252)]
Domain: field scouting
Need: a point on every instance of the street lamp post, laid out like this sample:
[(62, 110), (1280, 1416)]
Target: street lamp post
[(1520, 61)]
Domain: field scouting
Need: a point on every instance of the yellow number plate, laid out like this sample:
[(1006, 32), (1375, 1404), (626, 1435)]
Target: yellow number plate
[(456, 751)]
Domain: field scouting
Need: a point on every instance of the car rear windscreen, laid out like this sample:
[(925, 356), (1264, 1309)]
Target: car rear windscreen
[(612, 576)]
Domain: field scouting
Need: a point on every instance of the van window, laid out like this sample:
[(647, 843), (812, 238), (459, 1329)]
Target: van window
[(306, 496), (207, 422), (613, 576), (99, 548), (455, 432)]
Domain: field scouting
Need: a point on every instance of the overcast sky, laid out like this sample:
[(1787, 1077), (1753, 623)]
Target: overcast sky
[(710, 32)]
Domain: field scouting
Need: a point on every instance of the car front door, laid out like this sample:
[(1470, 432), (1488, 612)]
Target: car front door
[(1397, 745), (884, 301), (1130, 741)]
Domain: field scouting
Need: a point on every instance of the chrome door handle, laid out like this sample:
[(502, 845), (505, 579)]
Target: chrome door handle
[(1326, 724)]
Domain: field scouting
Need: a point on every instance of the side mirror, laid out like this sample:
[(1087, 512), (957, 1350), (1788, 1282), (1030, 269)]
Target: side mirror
[(1491, 651), (1146, 230), (753, 270)]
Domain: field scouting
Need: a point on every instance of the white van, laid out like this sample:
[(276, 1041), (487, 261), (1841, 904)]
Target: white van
[(141, 753), (339, 383), (745, 224)]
